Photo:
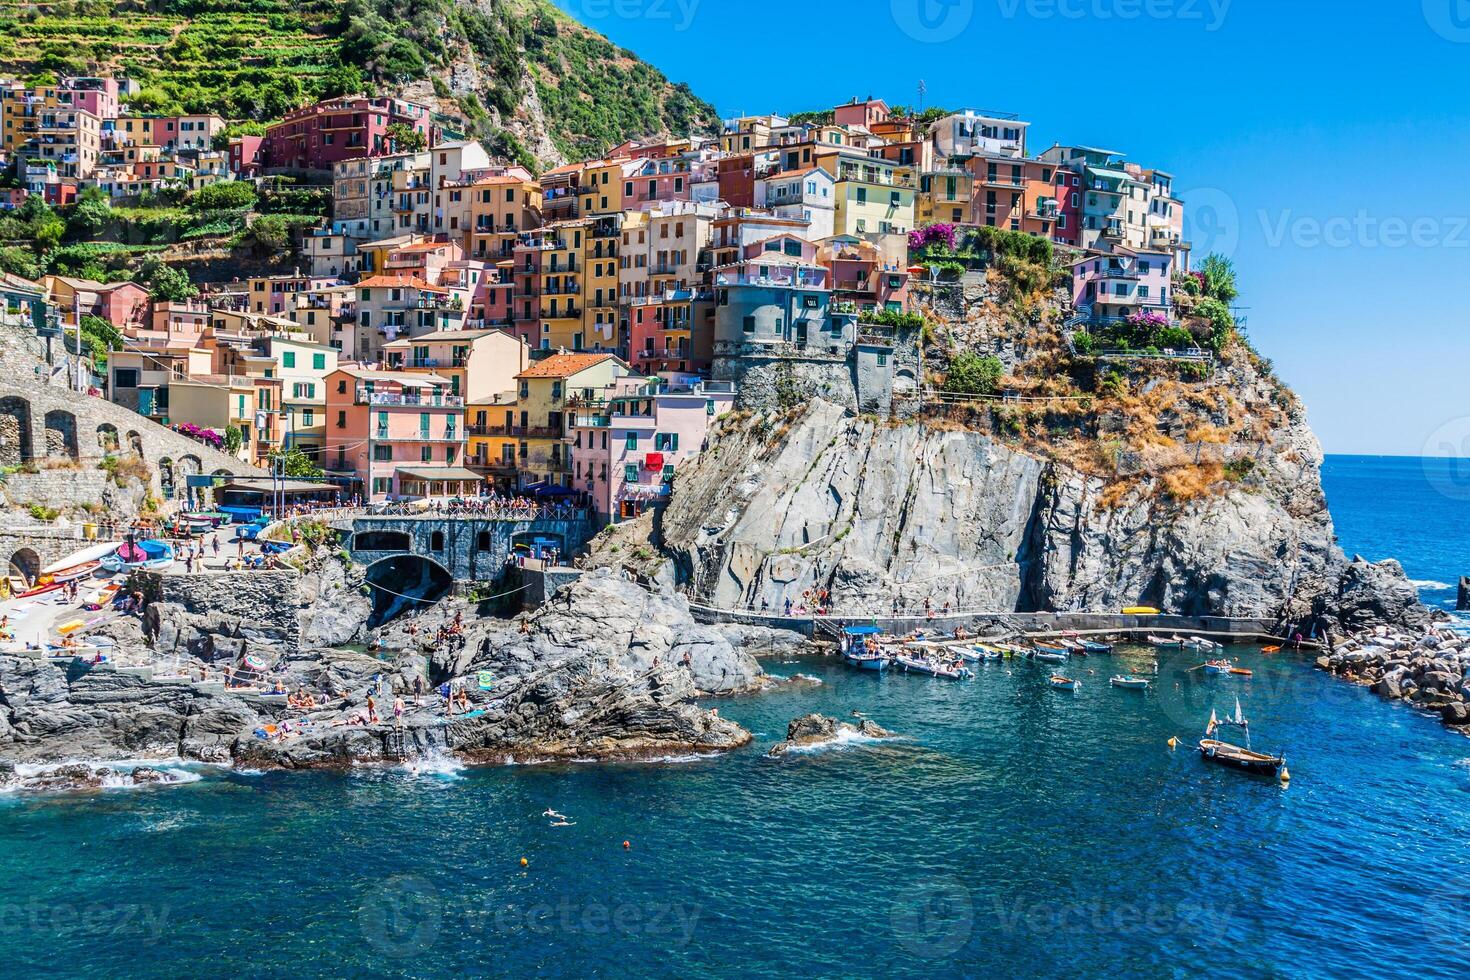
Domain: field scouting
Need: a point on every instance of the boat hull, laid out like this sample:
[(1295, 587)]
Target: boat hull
[(1235, 757)]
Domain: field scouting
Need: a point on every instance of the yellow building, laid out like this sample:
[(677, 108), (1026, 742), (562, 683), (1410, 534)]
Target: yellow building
[(600, 281), (601, 187), (538, 420), (498, 208), (944, 196), (548, 267), (874, 196)]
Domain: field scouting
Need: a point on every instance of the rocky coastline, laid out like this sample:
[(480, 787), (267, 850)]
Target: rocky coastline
[(1429, 670), (606, 670)]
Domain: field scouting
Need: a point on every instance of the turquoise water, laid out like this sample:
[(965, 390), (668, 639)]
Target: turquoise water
[(1011, 830)]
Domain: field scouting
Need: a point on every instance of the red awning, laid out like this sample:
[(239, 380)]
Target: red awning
[(653, 461)]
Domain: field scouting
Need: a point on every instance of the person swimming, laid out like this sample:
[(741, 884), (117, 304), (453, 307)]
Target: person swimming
[(563, 823), (552, 813)]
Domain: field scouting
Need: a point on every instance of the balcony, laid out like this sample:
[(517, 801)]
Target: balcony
[(389, 399), (1007, 180), (427, 362)]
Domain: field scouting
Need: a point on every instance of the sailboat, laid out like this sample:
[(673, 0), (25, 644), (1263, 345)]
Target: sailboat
[(1234, 756)]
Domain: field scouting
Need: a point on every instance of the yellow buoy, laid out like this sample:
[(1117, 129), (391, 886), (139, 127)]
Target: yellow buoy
[(525, 863), (1285, 775), (1173, 742)]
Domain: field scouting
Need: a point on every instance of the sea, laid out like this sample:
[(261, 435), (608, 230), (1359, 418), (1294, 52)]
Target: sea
[(1008, 829)]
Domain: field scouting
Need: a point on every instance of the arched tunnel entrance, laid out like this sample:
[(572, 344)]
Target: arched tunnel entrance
[(404, 583)]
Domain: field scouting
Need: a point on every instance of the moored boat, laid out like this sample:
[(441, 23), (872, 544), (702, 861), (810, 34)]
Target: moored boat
[(864, 660), (1061, 683), (1097, 646), (1159, 641), (1200, 643), (145, 554), (1130, 682), (924, 665), (1049, 653), (1240, 757), (1219, 667)]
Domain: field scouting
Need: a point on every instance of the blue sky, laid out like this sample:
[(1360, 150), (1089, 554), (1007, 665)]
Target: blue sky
[(1323, 146)]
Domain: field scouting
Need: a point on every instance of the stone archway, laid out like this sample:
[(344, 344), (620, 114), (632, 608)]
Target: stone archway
[(61, 434), (107, 439), (403, 583), (27, 564), (15, 431), (135, 443), (166, 475), (190, 465)]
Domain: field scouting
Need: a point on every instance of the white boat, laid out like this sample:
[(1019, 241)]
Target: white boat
[(1159, 641), (1130, 682), (1200, 643), (920, 665)]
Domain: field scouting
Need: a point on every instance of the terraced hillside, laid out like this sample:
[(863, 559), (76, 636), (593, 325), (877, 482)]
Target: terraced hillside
[(519, 71)]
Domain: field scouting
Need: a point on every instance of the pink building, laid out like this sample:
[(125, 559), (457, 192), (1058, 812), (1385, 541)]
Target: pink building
[(245, 153), (626, 451), (861, 277), (647, 182), (316, 136), (123, 304), (865, 114), (398, 433), (1122, 283)]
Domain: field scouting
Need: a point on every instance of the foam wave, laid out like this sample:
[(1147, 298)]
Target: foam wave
[(433, 764), (846, 739), (112, 774), (1430, 585)]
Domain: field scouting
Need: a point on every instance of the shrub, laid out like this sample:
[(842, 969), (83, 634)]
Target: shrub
[(225, 195), (971, 374), (41, 512), (1084, 342)]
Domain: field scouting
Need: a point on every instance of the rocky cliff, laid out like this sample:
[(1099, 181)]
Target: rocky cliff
[(880, 512)]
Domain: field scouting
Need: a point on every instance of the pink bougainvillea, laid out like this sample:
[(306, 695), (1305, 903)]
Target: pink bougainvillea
[(937, 234)]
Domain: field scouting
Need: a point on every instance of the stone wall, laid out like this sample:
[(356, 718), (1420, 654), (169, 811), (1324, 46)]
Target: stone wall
[(470, 549), (255, 607), (66, 489)]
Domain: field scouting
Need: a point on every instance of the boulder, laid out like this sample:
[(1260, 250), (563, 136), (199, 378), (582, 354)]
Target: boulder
[(1455, 713), (815, 729)]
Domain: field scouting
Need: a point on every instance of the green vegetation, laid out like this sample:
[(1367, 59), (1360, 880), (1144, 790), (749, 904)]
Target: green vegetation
[(893, 318), (101, 338), (42, 513), (256, 60), (971, 374), (297, 465), (223, 196)]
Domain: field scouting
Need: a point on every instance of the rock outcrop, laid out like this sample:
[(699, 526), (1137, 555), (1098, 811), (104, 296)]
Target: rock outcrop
[(605, 670), (877, 512), (1429, 669), (812, 730)]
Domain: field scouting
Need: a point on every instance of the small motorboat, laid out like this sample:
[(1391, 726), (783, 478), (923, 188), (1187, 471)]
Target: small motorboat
[(1200, 643), (867, 660), (1096, 646), (101, 597), (1130, 682), (922, 665), (1049, 653), (1063, 683), (1237, 757), (1219, 667), (984, 651), (1159, 641)]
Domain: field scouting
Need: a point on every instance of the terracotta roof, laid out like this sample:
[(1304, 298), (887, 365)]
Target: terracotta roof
[(422, 246), (566, 168), (563, 365), (402, 282)]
